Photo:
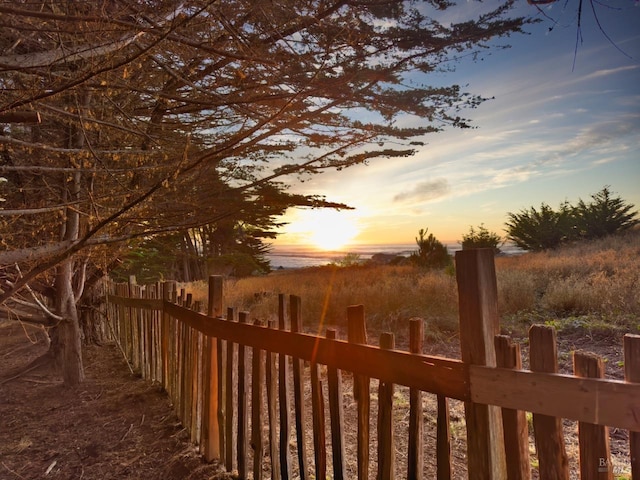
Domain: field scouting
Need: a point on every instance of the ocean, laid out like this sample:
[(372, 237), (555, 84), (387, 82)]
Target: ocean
[(301, 256)]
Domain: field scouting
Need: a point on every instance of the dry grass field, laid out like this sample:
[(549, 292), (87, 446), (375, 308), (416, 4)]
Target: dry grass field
[(590, 285)]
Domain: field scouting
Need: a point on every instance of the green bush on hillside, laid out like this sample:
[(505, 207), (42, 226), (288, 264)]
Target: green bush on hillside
[(481, 238), (604, 215), (431, 252), (542, 229)]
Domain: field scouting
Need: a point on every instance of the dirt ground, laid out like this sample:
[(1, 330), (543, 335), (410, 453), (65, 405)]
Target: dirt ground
[(114, 426), (118, 426)]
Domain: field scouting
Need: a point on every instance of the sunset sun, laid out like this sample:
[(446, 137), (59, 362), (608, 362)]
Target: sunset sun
[(330, 229)]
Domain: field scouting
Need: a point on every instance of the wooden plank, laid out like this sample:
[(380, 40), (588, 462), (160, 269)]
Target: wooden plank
[(443, 440), (174, 357), (298, 390), (157, 345), (632, 374), (145, 323), (357, 333), (336, 415), (148, 338), (188, 378), (129, 330), (257, 375), (478, 309), (272, 409), (283, 396), (210, 437), (319, 435), (146, 303), (427, 373), (243, 418), (196, 405), (229, 399), (135, 328), (552, 456), (595, 453), (218, 357), (164, 338), (183, 346), (386, 444), (221, 347), (603, 402), (415, 456), (514, 422)]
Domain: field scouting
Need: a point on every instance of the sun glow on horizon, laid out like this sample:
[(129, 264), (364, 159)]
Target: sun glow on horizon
[(325, 229)]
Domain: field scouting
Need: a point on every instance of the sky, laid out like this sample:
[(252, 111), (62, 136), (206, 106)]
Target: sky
[(562, 126)]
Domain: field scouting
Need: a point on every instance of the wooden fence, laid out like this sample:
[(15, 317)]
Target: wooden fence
[(234, 385)]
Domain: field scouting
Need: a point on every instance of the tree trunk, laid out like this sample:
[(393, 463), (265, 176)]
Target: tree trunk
[(66, 339), (66, 343), (92, 318)]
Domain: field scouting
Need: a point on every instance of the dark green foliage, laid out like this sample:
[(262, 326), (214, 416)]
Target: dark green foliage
[(532, 229), (481, 238), (605, 215), (535, 230), (431, 252)]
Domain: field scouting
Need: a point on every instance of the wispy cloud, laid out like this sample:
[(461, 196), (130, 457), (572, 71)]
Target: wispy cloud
[(425, 191), (609, 71)]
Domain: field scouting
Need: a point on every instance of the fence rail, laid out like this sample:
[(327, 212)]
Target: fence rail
[(230, 380)]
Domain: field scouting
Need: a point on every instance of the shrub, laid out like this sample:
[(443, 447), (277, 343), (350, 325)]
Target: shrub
[(431, 252), (481, 238), (543, 229), (605, 215), (540, 229)]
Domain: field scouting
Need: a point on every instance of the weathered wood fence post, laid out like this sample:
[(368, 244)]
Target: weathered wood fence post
[(211, 440), (357, 333), (478, 302)]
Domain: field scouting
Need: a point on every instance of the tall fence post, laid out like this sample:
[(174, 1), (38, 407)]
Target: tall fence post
[(283, 393), (478, 302), (210, 421), (357, 333), (164, 340), (415, 462), (295, 313)]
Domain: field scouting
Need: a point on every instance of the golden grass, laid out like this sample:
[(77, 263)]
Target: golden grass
[(599, 279), (390, 294)]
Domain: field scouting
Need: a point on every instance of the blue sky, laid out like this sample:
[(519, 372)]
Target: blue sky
[(554, 132)]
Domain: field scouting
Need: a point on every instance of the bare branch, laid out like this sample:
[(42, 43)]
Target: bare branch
[(49, 148), (65, 55)]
